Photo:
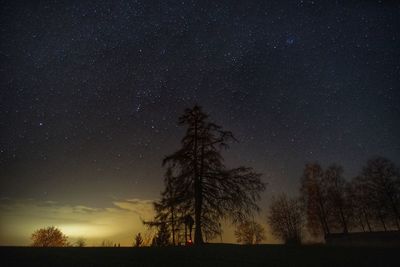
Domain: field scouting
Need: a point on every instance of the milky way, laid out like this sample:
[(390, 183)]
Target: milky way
[(91, 90)]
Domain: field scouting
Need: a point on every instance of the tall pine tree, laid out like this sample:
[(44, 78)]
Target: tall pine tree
[(202, 185)]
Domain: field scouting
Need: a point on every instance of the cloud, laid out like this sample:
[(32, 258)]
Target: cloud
[(119, 222), (143, 208)]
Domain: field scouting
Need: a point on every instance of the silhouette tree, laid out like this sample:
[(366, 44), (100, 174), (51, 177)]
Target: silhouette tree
[(49, 237), (81, 242), (336, 187), (358, 201), (138, 240), (188, 226), (167, 209), (286, 219), (148, 236), (249, 233), (360, 205), (162, 237), (314, 197), (204, 187), (107, 243), (380, 181)]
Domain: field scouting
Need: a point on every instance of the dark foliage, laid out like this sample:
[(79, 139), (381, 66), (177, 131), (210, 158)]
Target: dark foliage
[(370, 202), (200, 185), (286, 220), (49, 237), (162, 237)]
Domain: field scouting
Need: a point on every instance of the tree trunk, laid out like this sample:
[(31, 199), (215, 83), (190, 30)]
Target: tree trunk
[(397, 223), (396, 212), (321, 214), (198, 237), (173, 225), (345, 230), (324, 221), (382, 221), (366, 220), (186, 226), (321, 220), (361, 222)]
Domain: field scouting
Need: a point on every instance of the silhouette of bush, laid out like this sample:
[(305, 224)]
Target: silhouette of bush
[(81, 242), (49, 237)]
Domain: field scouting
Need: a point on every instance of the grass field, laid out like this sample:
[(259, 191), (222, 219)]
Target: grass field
[(210, 255)]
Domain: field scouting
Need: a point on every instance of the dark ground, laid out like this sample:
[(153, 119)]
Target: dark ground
[(210, 255)]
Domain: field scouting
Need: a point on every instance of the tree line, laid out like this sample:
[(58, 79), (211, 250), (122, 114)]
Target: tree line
[(329, 203), (200, 191)]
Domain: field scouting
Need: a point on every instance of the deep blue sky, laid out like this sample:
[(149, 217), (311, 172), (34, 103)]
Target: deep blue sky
[(91, 90)]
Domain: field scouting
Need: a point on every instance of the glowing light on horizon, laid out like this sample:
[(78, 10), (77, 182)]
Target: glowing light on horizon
[(87, 231)]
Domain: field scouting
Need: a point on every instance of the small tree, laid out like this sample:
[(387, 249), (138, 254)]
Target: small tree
[(81, 242), (380, 179), (357, 199), (49, 237), (314, 197), (285, 219), (167, 210), (138, 240), (337, 199), (249, 233), (107, 243), (163, 236), (148, 236)]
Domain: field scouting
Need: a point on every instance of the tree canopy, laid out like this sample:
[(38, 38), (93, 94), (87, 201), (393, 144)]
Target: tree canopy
[(286, 219), (49, 237), (198, 183), (249, 233)]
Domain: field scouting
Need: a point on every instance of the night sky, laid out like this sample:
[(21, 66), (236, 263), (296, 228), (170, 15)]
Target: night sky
[(91, 92)]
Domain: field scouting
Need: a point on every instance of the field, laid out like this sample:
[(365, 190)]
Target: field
[(210, 255)]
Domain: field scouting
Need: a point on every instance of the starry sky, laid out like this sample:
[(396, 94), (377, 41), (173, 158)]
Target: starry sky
[(91, 91)]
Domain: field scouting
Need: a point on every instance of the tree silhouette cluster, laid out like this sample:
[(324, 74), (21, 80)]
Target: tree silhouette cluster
[(249, 233), (286, 219), (369, 202), (80, 242), (199, 189), (162, 237), (49, 237), (107, 243)]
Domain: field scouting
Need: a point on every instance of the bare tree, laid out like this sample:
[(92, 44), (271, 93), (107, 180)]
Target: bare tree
[(360, 203), (249, 233), (286, 219), (189, 222), (148, 236), (106, 243), (49, 237), (205, 188), (162, 237), (81, 242), (168, 210), (336, 197), (380, 181), (315, 200)]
